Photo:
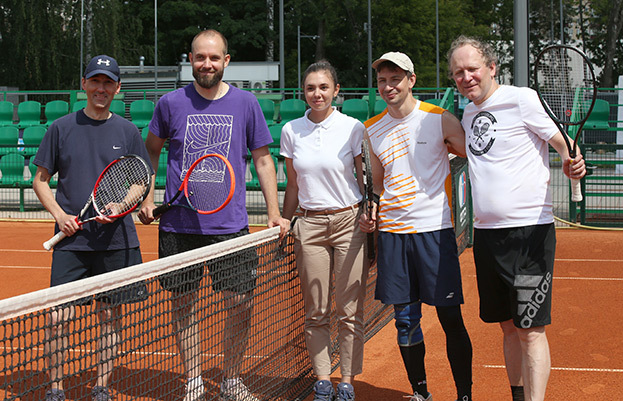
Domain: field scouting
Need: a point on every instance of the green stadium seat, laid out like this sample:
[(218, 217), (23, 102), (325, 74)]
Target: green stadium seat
[(275, 133), (598, 119), (9, 137), (144, 133), (55, 109), (28, 113), (141, 112), (356, 108), (291, 109), (161, 174), (79, 105), (268, 109), (12, 168), (118, 107), (6, 113), (32, 137), (379, 106), (254, 184)]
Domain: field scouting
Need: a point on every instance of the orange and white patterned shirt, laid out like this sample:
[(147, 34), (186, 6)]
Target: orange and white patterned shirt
[(417, 186)]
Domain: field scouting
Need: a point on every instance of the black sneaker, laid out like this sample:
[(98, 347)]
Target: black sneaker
[(345, 392), (101, 393), (323, 391), (55, 395)]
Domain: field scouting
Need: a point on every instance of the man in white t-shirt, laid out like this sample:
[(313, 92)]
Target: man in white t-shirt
[(417, 259), (507, 136)]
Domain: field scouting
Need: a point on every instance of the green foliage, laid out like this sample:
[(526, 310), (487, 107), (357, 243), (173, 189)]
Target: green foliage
[(40, 40)]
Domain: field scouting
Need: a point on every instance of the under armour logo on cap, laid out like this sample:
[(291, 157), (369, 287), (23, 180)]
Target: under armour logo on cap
[(103, 64)]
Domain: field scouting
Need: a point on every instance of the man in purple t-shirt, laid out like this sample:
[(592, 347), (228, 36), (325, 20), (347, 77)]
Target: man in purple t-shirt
[(210, 116)]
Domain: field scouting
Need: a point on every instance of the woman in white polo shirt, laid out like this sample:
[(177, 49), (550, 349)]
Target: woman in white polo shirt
[(322, 152)]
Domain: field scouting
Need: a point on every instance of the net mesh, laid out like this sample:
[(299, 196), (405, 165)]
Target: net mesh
[(133, 318), (122, 185), (567, 84)]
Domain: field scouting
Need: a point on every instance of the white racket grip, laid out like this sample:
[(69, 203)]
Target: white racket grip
[(576, 191), (49, 244)]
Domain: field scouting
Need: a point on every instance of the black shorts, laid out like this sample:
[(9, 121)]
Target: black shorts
[(514, 268), (70, 266), (233, 272)]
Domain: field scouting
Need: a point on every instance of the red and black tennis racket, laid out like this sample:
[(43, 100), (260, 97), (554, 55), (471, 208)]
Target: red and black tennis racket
[(369, 191), (566, 85), (208, 186), (119, 189)]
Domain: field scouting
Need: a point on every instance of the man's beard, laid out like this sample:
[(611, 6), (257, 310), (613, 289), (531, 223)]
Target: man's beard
[(208, 82)]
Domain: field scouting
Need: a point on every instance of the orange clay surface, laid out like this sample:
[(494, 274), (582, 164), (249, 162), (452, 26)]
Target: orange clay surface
[(586, 337)]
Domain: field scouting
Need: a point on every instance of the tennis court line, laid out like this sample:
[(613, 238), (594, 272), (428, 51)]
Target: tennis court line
[(25, 267), (597, 370), (142, 353), (572, 278), (590, 260)]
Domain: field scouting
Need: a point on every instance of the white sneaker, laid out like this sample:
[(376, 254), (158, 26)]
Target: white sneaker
[(195, 392), (236, 392)]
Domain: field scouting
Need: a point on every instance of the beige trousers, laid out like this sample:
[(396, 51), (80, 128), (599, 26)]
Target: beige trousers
[(326, 246)]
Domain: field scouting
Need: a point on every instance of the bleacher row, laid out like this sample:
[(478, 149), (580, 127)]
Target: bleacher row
[(20, 138)]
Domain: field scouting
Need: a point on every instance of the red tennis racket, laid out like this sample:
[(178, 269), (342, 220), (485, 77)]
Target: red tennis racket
[(119, 189), (208, 186)]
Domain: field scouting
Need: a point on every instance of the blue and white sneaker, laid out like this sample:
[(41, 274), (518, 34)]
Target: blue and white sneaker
[(345, 392), (419, 397), (323, 391)]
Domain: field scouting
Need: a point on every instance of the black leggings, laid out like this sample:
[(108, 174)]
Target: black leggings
[(458, 347)]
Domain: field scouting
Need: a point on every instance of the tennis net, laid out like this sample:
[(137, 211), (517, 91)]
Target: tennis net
[(143, 356)]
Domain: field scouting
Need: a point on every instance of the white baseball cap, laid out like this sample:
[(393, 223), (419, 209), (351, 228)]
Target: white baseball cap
[(400, 59)]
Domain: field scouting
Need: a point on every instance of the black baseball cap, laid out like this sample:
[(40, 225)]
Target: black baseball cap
[(103, 64)]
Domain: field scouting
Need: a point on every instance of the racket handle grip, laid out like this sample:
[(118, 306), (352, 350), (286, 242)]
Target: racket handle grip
[(51, 243), (576, 191), (371, 251), (161, 209)]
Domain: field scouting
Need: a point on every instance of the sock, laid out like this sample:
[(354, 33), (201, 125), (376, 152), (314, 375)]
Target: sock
[(517, 392), (229, 383), (413, 358), (194, 383)]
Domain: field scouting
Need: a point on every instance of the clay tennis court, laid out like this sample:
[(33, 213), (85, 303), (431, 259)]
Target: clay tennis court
[(585, 337)]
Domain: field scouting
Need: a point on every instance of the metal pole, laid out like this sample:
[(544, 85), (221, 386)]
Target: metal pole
[(437, 38), (369, 44), (155, 45), (521, 43), (282, 69), (562, 24), (81, 39), (298, 55)]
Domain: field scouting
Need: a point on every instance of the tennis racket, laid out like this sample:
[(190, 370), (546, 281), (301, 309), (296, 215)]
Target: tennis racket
[(119, 189), (369, 191), (208, 186), (566, 85)]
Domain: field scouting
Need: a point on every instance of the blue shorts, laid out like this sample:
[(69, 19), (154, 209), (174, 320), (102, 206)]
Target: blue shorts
[(70, 266), (419, 267)]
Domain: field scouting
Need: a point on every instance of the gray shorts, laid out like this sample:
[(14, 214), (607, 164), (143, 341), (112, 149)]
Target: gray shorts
[(233, 272)]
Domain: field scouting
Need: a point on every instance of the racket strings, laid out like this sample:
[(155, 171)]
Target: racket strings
[(209, 185), (121, 187), (566, 83)]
